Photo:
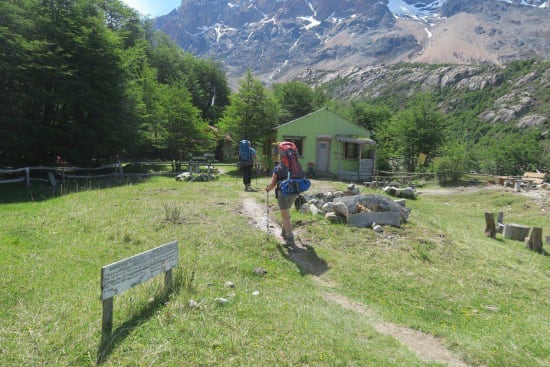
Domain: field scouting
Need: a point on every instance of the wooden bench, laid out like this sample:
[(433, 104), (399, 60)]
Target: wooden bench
[(533, 178)]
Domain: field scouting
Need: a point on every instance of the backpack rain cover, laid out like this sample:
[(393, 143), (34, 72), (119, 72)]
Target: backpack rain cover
[(245, 153)]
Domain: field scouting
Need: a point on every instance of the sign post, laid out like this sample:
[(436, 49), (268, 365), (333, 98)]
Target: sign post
[(122, 275)]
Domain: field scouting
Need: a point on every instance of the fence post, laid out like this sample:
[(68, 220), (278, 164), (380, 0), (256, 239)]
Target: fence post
[(28, 176)]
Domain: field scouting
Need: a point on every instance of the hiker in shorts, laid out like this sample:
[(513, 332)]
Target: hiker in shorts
[(285, 202)]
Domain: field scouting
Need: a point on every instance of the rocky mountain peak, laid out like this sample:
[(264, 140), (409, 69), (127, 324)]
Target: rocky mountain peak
[(279, 39)]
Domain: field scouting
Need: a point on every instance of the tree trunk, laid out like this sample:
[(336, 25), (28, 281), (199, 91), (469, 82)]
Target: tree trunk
[(534, 241), (515, 232), (490, 227)]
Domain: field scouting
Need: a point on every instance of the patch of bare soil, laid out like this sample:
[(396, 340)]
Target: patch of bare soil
[(540, 196), (426, 347)]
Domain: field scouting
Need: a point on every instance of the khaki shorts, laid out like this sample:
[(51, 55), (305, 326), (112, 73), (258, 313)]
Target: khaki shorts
[(285, 202)]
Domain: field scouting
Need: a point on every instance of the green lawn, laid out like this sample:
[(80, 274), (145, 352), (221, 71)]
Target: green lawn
[(486, 300)]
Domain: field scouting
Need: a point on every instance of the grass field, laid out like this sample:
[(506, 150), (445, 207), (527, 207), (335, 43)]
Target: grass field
[(486, 301)]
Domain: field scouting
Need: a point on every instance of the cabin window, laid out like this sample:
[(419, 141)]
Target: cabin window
[(298, 141), (351, 151)]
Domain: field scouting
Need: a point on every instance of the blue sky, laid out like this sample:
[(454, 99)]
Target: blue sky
[(153, 8)]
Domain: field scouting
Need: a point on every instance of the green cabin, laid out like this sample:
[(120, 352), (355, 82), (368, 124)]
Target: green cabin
[(329, 146)]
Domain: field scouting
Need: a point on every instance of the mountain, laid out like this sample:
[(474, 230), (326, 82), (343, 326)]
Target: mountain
[(280, 40)]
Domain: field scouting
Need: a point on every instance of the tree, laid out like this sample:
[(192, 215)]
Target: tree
[(510, 153), (184, 132), (452, 164), (252, 112), (207, 83), (296, 99), (370, 116), (88, 79), (68, 82), (414, 130), (204, 79)]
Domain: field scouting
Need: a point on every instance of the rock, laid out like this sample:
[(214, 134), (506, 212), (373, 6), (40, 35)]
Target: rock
[(305, 209), (328, 207), (341, 208), (313, 210), (407, 192), (193, 304), (260, 271), (377, 228), (401, 202), (332, 217), (221, 301)]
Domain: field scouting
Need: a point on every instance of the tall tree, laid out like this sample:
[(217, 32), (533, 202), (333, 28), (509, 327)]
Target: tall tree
[(16, 68), (296, 99), (252, 112), (417, 129), (185, 132), (87, 79), (370, 116), (204, 79)]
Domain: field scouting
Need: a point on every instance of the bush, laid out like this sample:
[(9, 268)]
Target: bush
[(449, 169)]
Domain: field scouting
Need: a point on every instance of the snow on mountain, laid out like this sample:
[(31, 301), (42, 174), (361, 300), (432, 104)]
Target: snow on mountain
[(279, 39), (422, 9)]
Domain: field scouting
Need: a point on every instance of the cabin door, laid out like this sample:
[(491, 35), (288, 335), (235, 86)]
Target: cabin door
[(323, 154)]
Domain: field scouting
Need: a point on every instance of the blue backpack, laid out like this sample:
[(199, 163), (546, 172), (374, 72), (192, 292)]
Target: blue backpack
[(245, 153)]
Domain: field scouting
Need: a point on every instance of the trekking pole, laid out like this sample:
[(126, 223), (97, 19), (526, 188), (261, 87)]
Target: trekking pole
[(267, 211)]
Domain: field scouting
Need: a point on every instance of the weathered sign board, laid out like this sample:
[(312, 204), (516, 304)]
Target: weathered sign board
[(127, 273), (196, 161)]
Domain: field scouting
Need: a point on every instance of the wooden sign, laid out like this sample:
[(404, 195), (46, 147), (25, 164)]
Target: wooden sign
[(124, 274)]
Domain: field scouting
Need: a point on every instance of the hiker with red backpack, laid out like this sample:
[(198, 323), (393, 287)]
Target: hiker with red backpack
[(288, 179)]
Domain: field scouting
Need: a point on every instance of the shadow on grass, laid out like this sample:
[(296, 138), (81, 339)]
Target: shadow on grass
[(306, 259), (109, 341), (38, 192)]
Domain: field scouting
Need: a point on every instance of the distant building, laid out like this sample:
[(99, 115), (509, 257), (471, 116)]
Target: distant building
[(329, 145)]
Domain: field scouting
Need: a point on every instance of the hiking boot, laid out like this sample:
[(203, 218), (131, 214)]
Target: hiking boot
[(289, 241)]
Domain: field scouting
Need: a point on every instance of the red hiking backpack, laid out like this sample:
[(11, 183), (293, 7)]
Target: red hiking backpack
[(288, 155), (295, 183)]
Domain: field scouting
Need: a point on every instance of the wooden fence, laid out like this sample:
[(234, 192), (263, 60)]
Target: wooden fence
[(404, 178), (57, 174), (53, 174)]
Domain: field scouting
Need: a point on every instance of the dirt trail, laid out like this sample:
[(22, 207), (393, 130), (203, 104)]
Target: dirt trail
[(427, 347)]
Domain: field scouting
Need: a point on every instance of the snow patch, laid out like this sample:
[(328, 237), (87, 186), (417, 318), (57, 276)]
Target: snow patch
[(310, 5), (428, 32), (312, 22)]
